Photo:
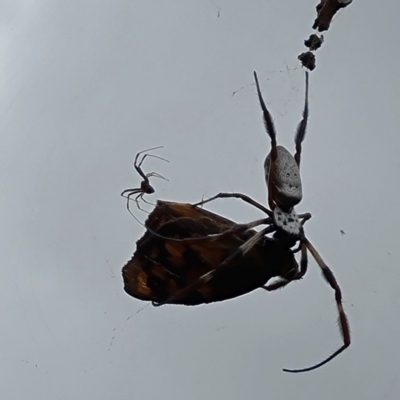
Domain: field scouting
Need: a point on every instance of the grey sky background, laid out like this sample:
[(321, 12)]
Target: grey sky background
[(84, 87)]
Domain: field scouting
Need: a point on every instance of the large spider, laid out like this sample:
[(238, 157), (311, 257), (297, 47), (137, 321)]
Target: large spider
[(191, 256)]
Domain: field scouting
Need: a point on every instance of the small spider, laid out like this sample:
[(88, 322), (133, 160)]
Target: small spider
[(145, 187)]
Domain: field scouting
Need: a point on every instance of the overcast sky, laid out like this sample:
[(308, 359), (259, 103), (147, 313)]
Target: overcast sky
[(84, 86)]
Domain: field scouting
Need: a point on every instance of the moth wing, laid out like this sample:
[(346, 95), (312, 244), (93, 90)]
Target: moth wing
[(161, 268)]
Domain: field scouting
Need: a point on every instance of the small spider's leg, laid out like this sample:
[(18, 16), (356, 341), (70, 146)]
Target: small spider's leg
[(137, 165), (156, 175), (134, 216), (130, 192), (140, 193), (270, 128), (136, 200), (145, 188), (147, 202), (144, 151), (297, 276), (201, 203), (241, 196), (302, 127), (150, 149), (140, 196), (343, 322), (239, 228), (150, 155), (243, 249)]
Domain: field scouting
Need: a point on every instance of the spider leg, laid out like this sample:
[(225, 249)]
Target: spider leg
[(149, 155), (241, 196), (302, 127), (150, 149), (270, 128), (243, 249), (343, 323), (144, 151), (130, 192), (137, 165), (140, 193), (156, 175), (141, 196), (305, 217), (147, 202), (238, 228)]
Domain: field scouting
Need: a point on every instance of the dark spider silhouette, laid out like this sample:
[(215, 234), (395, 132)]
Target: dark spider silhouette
[(145, 187)]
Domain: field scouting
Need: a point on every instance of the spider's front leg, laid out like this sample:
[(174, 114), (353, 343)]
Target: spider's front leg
[(270, 128), (240, 196), (302, 127), (237, 229)]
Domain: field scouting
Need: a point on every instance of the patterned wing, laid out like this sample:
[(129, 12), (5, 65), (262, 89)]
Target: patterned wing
[(160, 268)]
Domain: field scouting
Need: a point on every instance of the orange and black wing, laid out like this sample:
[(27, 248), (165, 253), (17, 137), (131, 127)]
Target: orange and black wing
[(161, 268)]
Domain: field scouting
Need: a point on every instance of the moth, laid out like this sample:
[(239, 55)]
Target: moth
[(170, 270), (192, 256)]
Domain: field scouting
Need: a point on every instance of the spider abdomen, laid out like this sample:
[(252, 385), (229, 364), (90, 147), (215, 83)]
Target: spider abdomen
[(287, 191)]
